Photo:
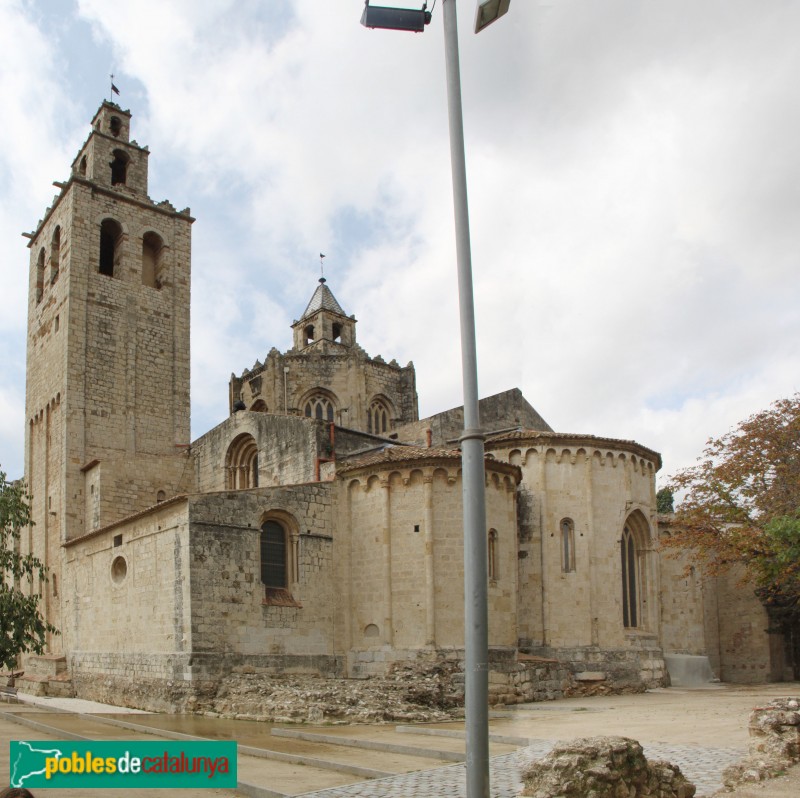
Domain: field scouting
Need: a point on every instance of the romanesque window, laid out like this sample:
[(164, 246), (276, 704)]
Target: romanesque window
[(308, 333), (152, 248), (115, 125), (630, 579), (241, 463), (378, 419), (82, 167), (40, 276), (110, 247), (320, 406), (274, 555), (55, 254), (119, 168), (337, 331), (492, 555), (567, 545)]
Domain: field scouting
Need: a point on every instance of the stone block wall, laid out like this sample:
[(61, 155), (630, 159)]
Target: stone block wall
[(126, 598), (350, 376), (233, 620), (501, 411), (402, 560), (288, 448)]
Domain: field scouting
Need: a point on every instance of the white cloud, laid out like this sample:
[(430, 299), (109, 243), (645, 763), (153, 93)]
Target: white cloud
[(633, 178)]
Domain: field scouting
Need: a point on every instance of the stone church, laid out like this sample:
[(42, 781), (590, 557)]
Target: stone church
[(318, 528)]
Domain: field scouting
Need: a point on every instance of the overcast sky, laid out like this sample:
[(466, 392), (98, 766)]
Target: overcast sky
[(634, 183)]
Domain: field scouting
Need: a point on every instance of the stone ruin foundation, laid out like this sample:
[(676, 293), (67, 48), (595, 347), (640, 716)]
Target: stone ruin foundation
[(774, 743), (603, 767)]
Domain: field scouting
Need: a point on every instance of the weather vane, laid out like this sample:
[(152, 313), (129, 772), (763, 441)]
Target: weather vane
[(321, 270)]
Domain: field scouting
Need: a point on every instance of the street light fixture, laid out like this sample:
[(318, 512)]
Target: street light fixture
[(488, 12), (395, 18), (476, 611)]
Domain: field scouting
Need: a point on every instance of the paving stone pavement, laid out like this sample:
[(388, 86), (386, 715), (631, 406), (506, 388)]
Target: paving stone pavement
[(702, 766)]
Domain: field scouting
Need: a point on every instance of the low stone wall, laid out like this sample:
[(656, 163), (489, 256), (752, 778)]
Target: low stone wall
[(603, 767), (297, 689), (526, 678), (774, 743), (595, 671)]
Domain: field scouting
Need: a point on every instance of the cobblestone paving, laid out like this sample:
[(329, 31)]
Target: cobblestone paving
[(702, 766)]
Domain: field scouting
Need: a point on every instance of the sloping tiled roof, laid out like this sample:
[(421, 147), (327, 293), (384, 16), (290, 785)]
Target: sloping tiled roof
[(411, 454), (323, 299)]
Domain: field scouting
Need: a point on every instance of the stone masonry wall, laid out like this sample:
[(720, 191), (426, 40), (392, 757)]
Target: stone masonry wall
[(501, 411), (233, 620), (126, 598), (288, 448)]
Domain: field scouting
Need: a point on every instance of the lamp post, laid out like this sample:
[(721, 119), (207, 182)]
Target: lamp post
[(476, 616)]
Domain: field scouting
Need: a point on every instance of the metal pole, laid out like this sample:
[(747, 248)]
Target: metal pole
[(476, 636)]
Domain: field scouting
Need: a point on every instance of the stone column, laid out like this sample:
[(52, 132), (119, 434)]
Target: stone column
[(591, 546), (430, 583), (543, 540), (386, 537)]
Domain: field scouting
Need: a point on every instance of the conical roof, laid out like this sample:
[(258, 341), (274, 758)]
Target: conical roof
[(323, 299)]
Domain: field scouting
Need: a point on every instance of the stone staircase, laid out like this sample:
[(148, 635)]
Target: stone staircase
[(46, 675)]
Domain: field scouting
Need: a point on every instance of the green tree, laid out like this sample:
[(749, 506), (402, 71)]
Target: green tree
[(665, 501), (741, 505), (22, 628)]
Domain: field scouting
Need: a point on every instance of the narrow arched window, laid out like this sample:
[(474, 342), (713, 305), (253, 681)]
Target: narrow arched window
[(82, 167), (110, 247), (308, 333), (567, 545), (274, 553), (378, 422), (152, 247), (119, 168), (40, 276), (630, 581), (492, 555), (336, 331), (55, 254), (319, 406)]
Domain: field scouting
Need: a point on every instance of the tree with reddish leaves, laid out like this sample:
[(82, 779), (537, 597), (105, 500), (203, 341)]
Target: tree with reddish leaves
[(740, 504)]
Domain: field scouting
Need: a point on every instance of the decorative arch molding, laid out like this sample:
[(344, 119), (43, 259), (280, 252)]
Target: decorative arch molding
[(241, 463)]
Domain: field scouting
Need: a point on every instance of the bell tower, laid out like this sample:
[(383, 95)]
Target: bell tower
[(107, 379), (324, 322)]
